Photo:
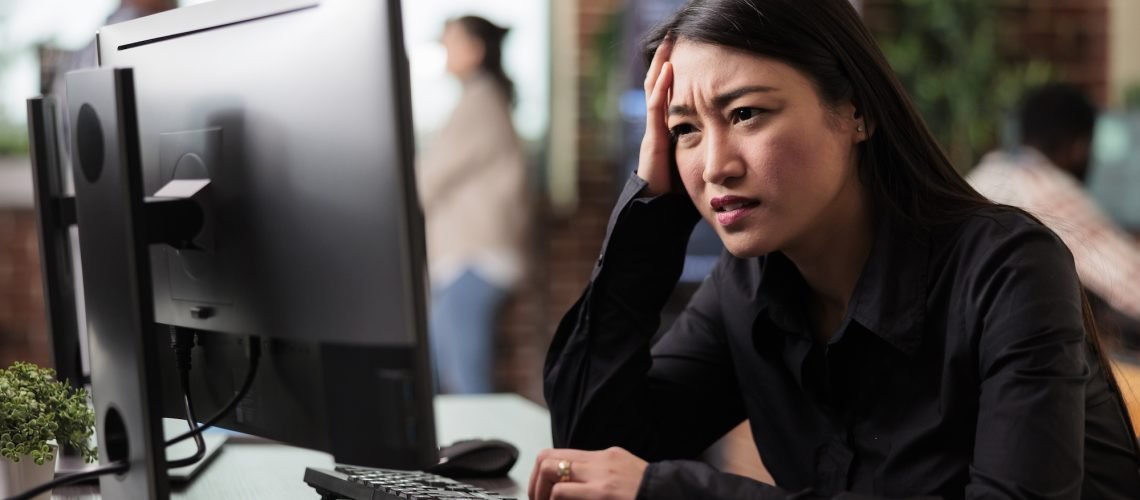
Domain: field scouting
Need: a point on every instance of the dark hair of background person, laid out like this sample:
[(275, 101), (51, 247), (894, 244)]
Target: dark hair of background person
[(491, 36), (1053, 118), (907, 175)]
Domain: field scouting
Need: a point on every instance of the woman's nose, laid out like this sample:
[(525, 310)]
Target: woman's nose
[(722, 160)]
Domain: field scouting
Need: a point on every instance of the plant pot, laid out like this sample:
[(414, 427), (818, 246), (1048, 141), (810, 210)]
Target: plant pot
[(17, 477)]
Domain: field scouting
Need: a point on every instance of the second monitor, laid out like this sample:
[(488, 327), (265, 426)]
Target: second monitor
[(297, 112)]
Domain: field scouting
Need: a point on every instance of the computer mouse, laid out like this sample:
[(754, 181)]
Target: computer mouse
[(472, 458)]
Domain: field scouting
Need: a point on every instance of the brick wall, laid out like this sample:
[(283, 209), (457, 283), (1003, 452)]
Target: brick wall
[(1072, 35), (23, 327)]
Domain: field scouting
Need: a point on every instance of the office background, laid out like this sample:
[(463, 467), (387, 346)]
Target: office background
[(577, 66)]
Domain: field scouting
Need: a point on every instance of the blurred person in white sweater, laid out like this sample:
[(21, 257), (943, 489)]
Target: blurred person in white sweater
[(472, 185)]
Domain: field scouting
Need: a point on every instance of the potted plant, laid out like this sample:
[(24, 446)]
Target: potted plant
[(951, 56), (37, 414)]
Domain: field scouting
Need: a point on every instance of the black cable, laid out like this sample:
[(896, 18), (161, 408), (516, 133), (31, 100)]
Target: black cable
[(116, 468), (201, 452), (182, 342), (254, 345), (182, 339)]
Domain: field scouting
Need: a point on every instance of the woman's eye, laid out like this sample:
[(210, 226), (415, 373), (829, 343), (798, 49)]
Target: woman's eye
[(745, 114), (679, 130)]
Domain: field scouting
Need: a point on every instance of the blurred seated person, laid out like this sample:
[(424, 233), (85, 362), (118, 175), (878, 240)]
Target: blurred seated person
[(1045, 176)]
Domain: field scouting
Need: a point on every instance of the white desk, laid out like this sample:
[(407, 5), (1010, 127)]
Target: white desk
[(269, 470)]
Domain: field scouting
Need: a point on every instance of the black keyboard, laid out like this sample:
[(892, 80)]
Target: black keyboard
[(363, 483)]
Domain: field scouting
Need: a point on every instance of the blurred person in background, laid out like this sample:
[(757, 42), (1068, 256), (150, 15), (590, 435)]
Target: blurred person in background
[(472, 180), (887, 331), (1045, 176)]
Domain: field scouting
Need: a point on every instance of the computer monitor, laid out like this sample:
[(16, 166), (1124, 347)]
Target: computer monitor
[(1114, 177), (297, 114)]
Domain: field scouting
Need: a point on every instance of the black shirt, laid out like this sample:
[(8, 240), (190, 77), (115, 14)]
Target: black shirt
[(961, 369)]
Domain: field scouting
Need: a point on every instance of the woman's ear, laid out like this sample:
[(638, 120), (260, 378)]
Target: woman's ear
[(850, 119), (862, 126)]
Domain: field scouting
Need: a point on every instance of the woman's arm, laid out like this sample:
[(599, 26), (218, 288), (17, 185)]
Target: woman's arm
[(616, 474), (1031, 365), (603, 386), (1030, 359)]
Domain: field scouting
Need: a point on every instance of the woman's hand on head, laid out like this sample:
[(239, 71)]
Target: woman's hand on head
[(562, 474), (653, 164)]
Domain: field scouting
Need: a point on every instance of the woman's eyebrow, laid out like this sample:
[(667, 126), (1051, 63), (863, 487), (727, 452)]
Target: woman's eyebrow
[(680, 110), (721, 100), (724, 99)]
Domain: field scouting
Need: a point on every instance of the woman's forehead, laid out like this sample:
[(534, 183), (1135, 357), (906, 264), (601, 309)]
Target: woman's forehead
[(703, 66)]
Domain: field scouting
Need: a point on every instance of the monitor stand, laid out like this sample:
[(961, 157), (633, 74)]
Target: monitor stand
[(71, 463), (116, 281), (116, 226)]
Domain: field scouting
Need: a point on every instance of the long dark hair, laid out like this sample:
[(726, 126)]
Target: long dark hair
[(491, 35), (905, 171), (906, 174)]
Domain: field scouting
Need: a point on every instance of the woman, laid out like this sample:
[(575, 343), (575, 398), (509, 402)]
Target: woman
[(472, 188), (886, 330)]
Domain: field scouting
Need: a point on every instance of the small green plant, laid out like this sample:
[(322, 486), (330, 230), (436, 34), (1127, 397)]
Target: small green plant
[(35, 408)]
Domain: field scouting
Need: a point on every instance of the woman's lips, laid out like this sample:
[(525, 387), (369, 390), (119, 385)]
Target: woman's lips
[(730, 209), (729, 217)]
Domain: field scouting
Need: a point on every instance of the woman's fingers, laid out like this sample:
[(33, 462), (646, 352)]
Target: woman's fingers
[(530, 490), (659, 57), (543, 482), (561, 474), (657, 103), (653, 163), (573, 491), (546, 472), (549, 476)]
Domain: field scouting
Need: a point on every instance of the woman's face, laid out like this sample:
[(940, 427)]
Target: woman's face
[(464, 52), (767, 163)]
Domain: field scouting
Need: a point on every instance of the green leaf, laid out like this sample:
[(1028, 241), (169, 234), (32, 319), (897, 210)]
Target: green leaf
[(947, 55), (37, 411)]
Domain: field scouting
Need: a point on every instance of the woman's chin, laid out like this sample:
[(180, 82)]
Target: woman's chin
[(744, 246)]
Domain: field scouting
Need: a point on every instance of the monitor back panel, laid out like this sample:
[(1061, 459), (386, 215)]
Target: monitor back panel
[(294, 110), (297, 111)]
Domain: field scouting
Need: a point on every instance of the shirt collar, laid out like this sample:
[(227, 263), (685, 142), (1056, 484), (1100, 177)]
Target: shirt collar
[(890, 296), (782, 291), (889, 299)]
